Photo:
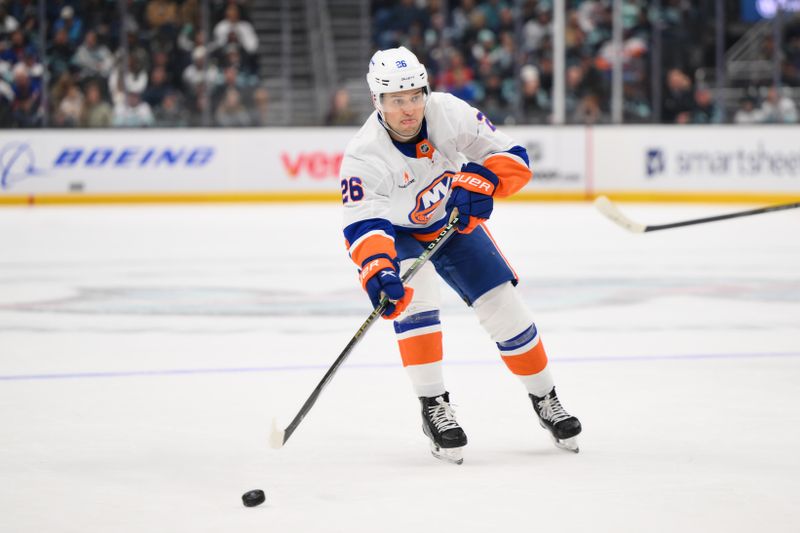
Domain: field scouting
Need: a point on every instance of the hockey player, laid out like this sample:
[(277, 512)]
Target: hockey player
[(420, 155)]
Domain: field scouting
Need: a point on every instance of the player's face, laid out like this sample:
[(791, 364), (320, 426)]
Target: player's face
[(403, 111)]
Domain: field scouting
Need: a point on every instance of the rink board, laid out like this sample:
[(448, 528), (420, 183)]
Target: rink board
[(641, 163)]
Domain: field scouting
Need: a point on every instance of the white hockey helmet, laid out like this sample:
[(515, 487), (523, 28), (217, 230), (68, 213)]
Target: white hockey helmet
[(393, 70)]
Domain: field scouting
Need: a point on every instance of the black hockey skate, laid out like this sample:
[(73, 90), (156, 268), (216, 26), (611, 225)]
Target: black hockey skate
[(563, 427), (439, 424)]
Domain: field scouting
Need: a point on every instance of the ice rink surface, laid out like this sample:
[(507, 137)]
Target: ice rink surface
[(145, 350)]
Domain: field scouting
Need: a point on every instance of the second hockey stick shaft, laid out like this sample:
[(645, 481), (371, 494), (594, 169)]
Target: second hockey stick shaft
[(738, 214), (610, 210), (279, 437)]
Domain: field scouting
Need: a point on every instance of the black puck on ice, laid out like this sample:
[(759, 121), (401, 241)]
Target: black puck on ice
[(252, 498)]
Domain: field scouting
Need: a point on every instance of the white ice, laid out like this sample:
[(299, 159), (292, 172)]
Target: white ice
[(145, 350)]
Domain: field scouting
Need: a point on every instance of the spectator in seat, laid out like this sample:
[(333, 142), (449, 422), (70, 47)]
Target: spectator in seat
[(460, 16), (495, 103), (491, 11), (232, 57), (31, 61), (447, 78), (8, 24), (191, 38), (232, 78), (16, 49), (171, 113), (535, 106), (636, 106), (704, 111), (135, 80), (395, 22), (157, 88), (588, 110), (502, 57), (167, 61), (59, 55), (233, 29), (536, 30), (59, 88), (92, 58), (199, 105), (463, 87), (340, 113), (230, 112), (70, 108), (97, 113), (71, 24), (133, 112), (575, 89), (197, 74), (25, 108), (507, 20), (747, 112), (678, 100), (778, 108)]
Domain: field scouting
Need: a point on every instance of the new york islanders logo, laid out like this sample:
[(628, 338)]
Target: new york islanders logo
[(430, 198)]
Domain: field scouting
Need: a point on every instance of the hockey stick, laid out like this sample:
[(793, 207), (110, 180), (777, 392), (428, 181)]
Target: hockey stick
[(607, 207), (279, 437)]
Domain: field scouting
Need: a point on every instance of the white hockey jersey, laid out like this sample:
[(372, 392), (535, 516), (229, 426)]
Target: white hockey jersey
[(389, 186)]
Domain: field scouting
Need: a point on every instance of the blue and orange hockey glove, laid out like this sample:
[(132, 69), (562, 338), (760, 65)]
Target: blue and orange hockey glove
[(379, 276), (471, 193)]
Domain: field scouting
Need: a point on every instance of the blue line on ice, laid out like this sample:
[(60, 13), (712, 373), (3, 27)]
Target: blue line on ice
[(295, 368)]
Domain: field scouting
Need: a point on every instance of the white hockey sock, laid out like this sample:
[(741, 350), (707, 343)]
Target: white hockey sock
[(538, 384), (504, 315), (427, 379)]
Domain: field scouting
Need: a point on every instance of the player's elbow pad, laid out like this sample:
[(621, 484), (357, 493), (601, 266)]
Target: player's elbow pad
[(513, 174)]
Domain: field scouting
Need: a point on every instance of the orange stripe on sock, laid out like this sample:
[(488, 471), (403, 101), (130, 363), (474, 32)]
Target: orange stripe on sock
[(531, 362), (513, 175), (422, 349)]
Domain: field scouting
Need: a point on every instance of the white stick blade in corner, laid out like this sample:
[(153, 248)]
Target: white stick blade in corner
[(276, 435), (605, 206)]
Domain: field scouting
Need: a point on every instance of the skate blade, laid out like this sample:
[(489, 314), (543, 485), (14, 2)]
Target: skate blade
[(449, 455), (570, 444)]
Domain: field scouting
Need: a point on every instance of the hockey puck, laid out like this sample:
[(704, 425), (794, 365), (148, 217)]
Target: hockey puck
[(252, 498)]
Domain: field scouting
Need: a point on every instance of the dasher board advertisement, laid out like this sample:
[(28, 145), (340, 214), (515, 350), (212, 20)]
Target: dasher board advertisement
[(115, 161), (698, 159)]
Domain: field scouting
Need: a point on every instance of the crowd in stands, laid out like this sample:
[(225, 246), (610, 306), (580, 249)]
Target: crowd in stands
[(157, 67), (500, 59), (153, 67)]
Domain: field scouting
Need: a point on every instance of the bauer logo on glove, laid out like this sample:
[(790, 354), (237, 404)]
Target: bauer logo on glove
[(471, 194)]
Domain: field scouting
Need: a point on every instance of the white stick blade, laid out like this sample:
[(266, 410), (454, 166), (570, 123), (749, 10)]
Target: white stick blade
[(605, 206), (276, 436)]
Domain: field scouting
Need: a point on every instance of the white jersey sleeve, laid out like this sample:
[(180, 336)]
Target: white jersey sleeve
[(366, 187), (479, 141)]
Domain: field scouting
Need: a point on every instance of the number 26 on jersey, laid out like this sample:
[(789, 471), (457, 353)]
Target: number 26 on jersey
[(352, 190)]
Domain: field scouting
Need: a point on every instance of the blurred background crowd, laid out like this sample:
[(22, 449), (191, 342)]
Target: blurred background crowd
[(240, 63), (157, 68), (498, 53)]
